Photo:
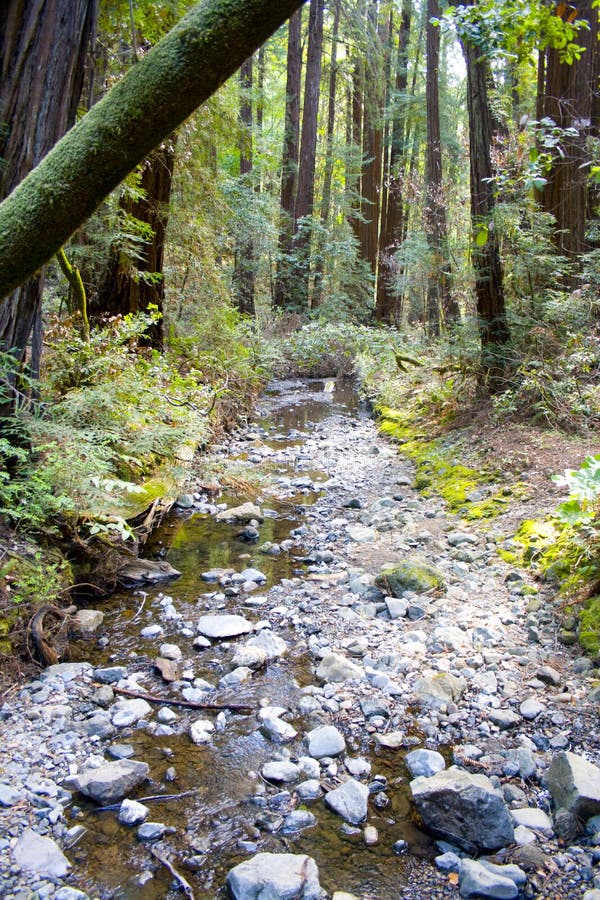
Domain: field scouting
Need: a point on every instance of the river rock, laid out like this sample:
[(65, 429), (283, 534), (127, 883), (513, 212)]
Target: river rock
[(244, 513), (128, 712), (276, 730), (253, 575), (477, 881), (325, 740), (298, 820), (416, 575), (10, 796), (574, 784), (335, 667), (167, 668), (504, 718), (425, 763), (201, 731), (309, 789), (280, 771), (275, 876), (132, 813), (86, 621), (531, 708), (37, 853), (249, 656), (535, 819), (437, 691), (112, 781), (274, 646), (349, 801), (136, 572), (224, 626), (464, 809)]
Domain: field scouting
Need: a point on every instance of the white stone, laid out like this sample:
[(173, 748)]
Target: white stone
[(132, 812), (128, 712), (201, 731)]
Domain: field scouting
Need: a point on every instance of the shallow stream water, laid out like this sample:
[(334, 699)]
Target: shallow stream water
[(215, 794)]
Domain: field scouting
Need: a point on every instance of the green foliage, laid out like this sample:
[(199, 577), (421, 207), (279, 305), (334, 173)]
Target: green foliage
[(584, 491)]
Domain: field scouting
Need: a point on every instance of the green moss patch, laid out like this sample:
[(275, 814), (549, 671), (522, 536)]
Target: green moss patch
[(589, 626), (414, 575)]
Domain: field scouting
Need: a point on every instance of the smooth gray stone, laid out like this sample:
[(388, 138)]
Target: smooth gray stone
[(424, 762), (69, 893), (463, 808), (10, 796), (132, 812), (535, 819), (309, 789), (574, 784), (151, 831), (111, 782), (275, 876), (349, 801), (325, 740), (224, 626), (281, 771), (274, 646), (41, 855), (515, 873), (298, 820), (335, 667), (477, 881)]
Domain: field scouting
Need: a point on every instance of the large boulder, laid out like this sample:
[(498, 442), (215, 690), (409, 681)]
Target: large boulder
[(111, 782), (275, 876), (464, 809), (414, 575), (574, 784)]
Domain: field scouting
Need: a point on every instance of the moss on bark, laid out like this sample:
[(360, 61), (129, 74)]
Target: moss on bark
[(154, 97)]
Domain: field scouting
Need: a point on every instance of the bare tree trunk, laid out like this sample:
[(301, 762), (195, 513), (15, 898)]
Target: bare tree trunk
[(289, 164), (303, 208), (42, 53)]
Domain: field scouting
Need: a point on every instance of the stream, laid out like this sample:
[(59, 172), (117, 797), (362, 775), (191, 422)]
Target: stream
[(223, 809)]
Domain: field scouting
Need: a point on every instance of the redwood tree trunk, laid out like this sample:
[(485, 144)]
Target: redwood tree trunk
[(244, 275), (128, 286), (289, 163), (489, 287), (43, 44)]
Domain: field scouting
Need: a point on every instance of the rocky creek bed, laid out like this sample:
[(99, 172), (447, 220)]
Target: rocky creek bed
[(399, 717)]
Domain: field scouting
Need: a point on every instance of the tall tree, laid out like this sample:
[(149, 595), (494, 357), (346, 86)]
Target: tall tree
[(289, 162), (440, 303), (43, 44), (244, 271), (305, 189), (154, 97), (388, 306)]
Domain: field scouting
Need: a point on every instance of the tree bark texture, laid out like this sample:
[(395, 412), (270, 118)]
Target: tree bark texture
[(372, 142), (289, 162), (43, 44), (244, 275), (124, 289), (143, 109), (568, 101), (489, 288)]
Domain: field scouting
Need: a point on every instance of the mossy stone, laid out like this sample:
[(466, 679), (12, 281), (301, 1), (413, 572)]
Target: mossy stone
[(589, 626), (411, 576)]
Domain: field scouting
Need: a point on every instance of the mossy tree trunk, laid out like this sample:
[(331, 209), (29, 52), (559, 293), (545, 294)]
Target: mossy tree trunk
[(207, 46), (43, 44)]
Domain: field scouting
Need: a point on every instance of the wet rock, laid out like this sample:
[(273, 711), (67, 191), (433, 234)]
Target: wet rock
[(236, 677), (223, 626), (40, 854), (436, 691), (349, 801), (463, 808), (416, 575), (69, 893), (477, 881), (112, 781), (151, 831), (253, 575), (574, 784), (128, 712), (86, 621), (136, 572), (167, 669), (274, 646), (251, 657), (425, 763), (325, 740), (392, 740), (110, 674), (201, 731), (298, 820), (370, 835), (244, 513), (132, 813), (275, 876), (278, 731), (357, 766), (335, 667), (280, 771), (309, 789)]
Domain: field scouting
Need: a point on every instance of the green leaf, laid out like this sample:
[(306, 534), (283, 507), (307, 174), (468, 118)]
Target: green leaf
[(482, 235)]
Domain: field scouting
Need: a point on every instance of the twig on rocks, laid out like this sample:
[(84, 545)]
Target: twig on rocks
[(189, 704), (185, 885), (155, 798)]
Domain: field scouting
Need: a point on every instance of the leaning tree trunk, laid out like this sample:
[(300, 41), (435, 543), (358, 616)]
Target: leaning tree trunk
[(43, 44), (130, 288), (289, 162), (207, 46), (489, 287)]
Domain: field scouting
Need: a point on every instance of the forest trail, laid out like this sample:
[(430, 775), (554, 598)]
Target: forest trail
[(469, 666)]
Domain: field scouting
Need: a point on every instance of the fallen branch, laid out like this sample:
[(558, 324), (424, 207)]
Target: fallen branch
[(185, 885), (156, 798), (189, 704)]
